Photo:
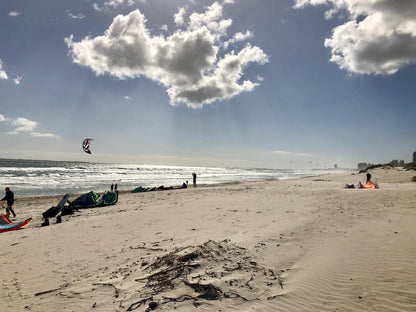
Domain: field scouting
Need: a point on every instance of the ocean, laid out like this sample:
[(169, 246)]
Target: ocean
[(29, 178)]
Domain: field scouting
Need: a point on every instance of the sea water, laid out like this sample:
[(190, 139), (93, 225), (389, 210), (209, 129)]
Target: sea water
[(46, 178)]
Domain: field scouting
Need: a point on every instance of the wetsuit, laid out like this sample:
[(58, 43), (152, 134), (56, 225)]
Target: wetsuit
[(10, 200)]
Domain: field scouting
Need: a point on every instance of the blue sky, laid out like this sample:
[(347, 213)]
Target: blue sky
[(250, 83)]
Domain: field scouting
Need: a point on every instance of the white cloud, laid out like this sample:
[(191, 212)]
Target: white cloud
[(187, 62), (78, 16), (292, 153), (179, 17), (238, 37), (114, 4), (3, 74), (14, 13), (23, 125), (42, 135), (378, 38), (18, 79)]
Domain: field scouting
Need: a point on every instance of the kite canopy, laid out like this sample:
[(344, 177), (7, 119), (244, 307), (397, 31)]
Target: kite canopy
[(86, 145), (6, 225), (369, 185), (92, 199)]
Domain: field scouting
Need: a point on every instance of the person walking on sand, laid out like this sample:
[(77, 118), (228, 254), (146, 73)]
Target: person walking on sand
[(9, 198), (194, 178), (368, 178)]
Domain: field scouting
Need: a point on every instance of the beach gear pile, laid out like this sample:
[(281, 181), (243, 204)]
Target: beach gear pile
[(87, 200), (141, 189)]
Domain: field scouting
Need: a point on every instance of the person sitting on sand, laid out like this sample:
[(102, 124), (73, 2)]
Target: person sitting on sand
[(368, 178), (9, 198)]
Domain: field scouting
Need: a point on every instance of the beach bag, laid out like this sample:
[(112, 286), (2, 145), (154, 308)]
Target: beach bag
[(67, 210), (51, 212)]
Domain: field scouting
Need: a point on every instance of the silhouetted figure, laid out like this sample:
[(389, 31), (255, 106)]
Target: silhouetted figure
[(9, 198), (368, 178), (194, 178)]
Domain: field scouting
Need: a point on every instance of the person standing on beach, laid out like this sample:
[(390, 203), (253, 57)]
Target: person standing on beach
[(9, 198), (194, 178)]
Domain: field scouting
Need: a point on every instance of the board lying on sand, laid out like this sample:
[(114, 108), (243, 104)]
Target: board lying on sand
[(6, 225)]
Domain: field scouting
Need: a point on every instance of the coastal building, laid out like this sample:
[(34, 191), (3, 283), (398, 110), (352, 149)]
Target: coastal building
[(394, 163), (401, 163), (362, 166), (414, 157)]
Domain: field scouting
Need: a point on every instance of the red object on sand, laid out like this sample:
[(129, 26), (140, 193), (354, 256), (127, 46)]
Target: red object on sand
[(6, 225)]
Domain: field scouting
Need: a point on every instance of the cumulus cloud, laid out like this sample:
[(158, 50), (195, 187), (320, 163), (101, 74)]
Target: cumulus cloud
[(379, 36), (14, 13), (179, 18), (187, 62), (3, 74), (23, 125)]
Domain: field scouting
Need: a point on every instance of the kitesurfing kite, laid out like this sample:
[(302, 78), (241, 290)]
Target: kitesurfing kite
[(86, 145)]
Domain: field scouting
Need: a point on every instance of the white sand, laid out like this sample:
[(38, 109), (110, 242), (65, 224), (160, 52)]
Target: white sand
[(297, 245)]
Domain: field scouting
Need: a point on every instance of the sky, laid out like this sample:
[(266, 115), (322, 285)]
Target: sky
[(240, 83)]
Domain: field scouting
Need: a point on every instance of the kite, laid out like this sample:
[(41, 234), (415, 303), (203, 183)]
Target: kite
[(86, 145), (6, 225)]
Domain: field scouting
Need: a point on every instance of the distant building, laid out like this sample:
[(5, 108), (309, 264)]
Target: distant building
[(362, 166), (394, 163), (414, 157), (401, 163)]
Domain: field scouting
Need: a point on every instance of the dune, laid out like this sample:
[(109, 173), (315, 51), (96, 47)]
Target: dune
[(306, 244)]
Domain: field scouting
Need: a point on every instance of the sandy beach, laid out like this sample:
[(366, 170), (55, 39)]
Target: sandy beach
[(306, 244)]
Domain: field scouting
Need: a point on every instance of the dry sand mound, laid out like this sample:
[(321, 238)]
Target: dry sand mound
[(202, 274), (211, 271)]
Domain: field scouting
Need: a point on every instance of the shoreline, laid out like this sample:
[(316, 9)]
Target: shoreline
[(31, 180), (191, 186), (289, 245)]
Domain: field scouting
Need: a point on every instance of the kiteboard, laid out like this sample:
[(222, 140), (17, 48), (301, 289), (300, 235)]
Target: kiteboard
[(6, 225)]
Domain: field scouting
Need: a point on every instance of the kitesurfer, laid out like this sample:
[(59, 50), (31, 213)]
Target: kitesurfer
[(9, 198)]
